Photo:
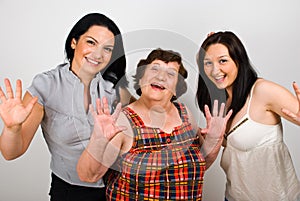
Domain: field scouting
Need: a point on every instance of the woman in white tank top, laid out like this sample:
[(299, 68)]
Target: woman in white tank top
[(255, 159)]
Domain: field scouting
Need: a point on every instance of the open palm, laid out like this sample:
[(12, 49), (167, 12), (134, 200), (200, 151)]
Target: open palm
[(12, 110), (216, 123), (104, 122)]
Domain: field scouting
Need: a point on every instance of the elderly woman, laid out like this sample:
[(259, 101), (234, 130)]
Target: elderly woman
[(153, 149)]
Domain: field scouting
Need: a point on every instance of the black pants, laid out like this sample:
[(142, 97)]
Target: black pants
[(63, 191)]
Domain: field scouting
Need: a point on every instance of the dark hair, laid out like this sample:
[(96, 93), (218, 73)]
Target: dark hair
[(207, 91), (116, 68), (165, 56)]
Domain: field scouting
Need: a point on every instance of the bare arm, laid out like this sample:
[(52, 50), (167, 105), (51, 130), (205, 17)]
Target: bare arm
[(21, 120), (104, 146), (276, 101)]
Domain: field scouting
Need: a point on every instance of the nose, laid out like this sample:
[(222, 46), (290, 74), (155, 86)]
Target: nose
[(97, 53), (161, 75), (216, 69)]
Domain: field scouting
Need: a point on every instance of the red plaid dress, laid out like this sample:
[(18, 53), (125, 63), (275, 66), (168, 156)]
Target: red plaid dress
[(159, 166)]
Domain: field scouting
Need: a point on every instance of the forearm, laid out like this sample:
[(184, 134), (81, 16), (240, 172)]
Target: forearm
[(89, 169), (94, 162), (210, 149), (11, 144)]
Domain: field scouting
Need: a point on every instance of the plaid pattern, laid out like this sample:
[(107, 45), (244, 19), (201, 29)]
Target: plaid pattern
[(159, 166)]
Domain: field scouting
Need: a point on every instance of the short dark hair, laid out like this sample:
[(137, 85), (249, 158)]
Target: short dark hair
[(116, 68), (165, 56)]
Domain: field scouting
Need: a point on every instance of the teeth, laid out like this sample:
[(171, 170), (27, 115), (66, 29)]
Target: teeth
[(92, 61), (218, 78), (158, 86)]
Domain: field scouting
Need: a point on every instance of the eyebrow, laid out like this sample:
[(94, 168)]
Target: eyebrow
[(172, 68), (218, 57), (97, 40)]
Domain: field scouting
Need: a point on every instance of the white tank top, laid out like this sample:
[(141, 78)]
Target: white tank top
[(257, 163)]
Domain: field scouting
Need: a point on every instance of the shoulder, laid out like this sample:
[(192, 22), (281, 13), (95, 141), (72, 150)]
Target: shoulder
[(263, 87), (51, 74), (188, 113), (43, 83), (124, 138)]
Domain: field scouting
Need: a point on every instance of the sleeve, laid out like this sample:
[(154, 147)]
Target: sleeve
[(41, 87)]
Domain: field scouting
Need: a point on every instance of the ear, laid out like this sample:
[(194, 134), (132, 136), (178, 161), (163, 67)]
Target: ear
[(73, 44)]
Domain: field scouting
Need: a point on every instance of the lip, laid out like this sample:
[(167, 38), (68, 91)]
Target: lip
[(157, 86)]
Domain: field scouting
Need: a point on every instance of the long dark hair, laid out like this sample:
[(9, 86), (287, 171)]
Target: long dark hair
[(207, 91), (116, 68)]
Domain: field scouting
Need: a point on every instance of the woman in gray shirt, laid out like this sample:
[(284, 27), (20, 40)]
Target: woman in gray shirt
[(58, 100)]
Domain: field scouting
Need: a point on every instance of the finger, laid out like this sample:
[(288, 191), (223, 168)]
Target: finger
[(227, 117), (222, 109), (99, 106), (215, 108), (289, 113), (19, 89), (297, 91), (105, 106), (207, 112), (31, 104), (117, 111), (92, 110), (2, 95), (9, 91), (211, 33)]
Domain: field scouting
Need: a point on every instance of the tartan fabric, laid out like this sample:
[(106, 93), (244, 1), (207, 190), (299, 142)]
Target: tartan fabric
[(159, 166)]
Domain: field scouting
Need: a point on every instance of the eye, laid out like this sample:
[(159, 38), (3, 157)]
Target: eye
[(172, 73), (108, 49), (222, 61), (91, 42), (154, 68), (207, 63)]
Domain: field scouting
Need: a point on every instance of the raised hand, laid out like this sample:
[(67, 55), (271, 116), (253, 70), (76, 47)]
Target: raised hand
[(294, 116), (12, 110), (216, 124), (214, 132), (105, 123)]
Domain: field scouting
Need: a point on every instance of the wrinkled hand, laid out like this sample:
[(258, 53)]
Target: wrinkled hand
[(105, 123), (12, 110), (295, 116), (216, 124)]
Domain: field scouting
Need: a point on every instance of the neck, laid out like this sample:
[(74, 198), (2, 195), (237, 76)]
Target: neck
[(84, 78), (155, 113), (154, 106)]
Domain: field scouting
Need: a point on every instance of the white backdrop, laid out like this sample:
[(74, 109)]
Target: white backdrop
[(32, 40)]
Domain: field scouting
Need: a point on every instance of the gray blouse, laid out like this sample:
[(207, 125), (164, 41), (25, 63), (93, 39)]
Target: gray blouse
[(66, 126)]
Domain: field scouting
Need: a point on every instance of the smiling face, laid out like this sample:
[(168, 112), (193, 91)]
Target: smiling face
[(159, 80), (219, 66), (92, 51)]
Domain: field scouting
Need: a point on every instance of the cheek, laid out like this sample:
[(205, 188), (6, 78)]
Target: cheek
[(207, 71), (107, 56), (81, 51), (172, 85)]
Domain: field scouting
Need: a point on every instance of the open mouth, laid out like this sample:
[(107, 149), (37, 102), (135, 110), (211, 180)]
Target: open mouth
[(220, 78)]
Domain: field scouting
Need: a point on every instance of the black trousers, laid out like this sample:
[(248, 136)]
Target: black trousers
[(63, 191)]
